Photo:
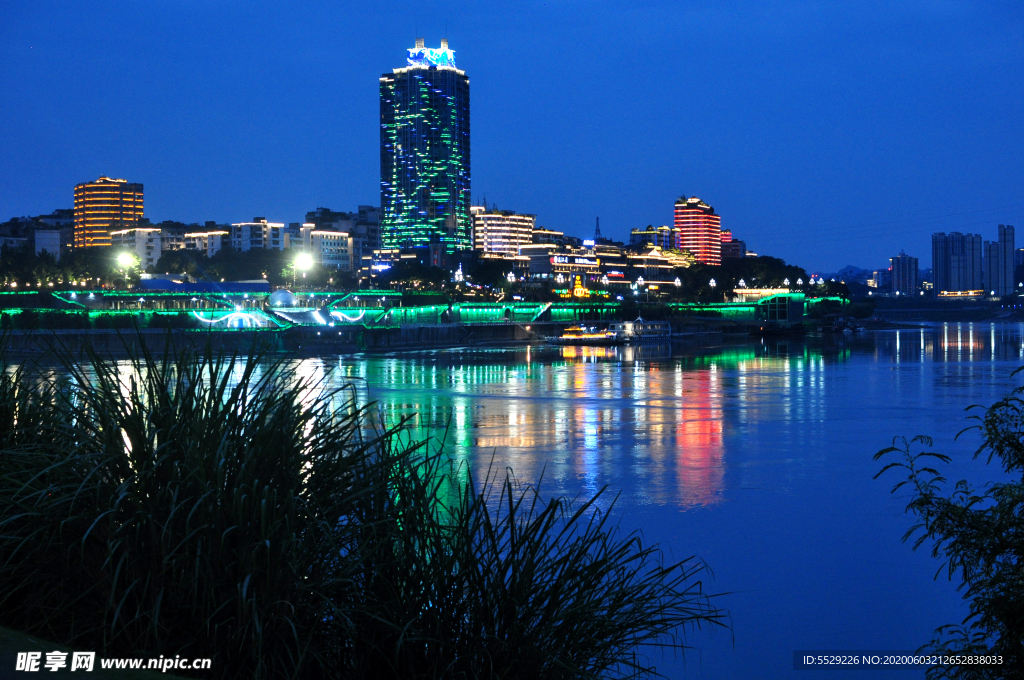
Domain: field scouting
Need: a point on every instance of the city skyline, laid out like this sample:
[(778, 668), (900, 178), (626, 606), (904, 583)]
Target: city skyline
[(829, 139)]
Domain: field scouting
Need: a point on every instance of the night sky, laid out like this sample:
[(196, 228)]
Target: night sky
[(825, 133)]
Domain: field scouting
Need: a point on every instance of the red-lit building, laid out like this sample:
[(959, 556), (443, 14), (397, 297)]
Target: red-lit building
[(732, 247), (699, 230)]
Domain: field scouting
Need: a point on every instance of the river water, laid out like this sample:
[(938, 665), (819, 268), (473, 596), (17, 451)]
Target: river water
[(754, 455)]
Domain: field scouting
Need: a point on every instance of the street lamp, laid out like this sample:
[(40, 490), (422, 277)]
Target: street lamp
[(785, 281), (799, 282), (640, 281), (712, 284), (742, 284), (303, 261), (604, 280), (678, 282), (511, 278), (124, 262)]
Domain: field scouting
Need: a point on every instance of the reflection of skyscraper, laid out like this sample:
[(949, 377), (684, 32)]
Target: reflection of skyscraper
[(699, 229), (424, 151), (699, 467)]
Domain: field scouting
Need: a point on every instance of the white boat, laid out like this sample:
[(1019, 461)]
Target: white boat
[(640, 331)]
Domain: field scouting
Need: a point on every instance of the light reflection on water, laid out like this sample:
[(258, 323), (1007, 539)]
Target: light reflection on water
[(637, 419), (646, 421)]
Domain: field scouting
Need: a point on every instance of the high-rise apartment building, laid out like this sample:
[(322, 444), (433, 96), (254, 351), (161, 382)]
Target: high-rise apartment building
[(958, 259), (424, 152), (905, 280), (999, 263), (957, 262), (501, 231), (103, 206), (699, 230)]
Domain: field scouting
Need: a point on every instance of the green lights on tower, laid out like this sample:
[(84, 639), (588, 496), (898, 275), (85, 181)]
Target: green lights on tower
[(425, 153)]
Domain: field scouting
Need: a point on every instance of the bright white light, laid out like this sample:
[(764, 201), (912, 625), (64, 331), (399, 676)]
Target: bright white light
[(785, 282), (712, 283), (304, 261), (236, 319), (678, 282), (345, 317), (125, 260)]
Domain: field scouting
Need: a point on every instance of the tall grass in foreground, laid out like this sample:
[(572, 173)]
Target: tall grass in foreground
[(225, 507)]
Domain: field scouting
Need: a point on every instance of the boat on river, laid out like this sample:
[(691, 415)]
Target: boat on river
[(585, 335), (641, 332)]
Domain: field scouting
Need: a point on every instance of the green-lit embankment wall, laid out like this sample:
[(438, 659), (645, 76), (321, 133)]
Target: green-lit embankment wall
[(368, 310)]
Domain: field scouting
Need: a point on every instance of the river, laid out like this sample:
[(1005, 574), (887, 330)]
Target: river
[(754, 455)]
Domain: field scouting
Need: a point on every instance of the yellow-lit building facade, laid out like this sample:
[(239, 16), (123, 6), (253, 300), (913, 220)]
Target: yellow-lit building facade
[(501, 231), (105, 205)]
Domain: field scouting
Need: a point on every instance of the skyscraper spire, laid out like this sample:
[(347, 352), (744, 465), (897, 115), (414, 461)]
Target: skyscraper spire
[(597, 229)]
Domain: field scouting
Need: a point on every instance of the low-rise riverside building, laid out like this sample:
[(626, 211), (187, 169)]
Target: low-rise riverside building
[(207, 242), (145, 242), (247, 236), (332, 249)]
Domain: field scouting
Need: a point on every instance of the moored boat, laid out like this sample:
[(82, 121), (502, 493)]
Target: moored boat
[(640, 331), (585, 335)]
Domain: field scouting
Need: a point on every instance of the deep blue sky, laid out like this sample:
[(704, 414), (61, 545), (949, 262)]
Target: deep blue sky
[(826, 133)]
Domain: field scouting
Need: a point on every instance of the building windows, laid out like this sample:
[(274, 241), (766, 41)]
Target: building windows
[(103, 206)]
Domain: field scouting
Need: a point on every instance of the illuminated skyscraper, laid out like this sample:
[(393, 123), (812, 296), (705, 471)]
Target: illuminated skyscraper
[(104, 206), (424, 152), (699, 230)]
